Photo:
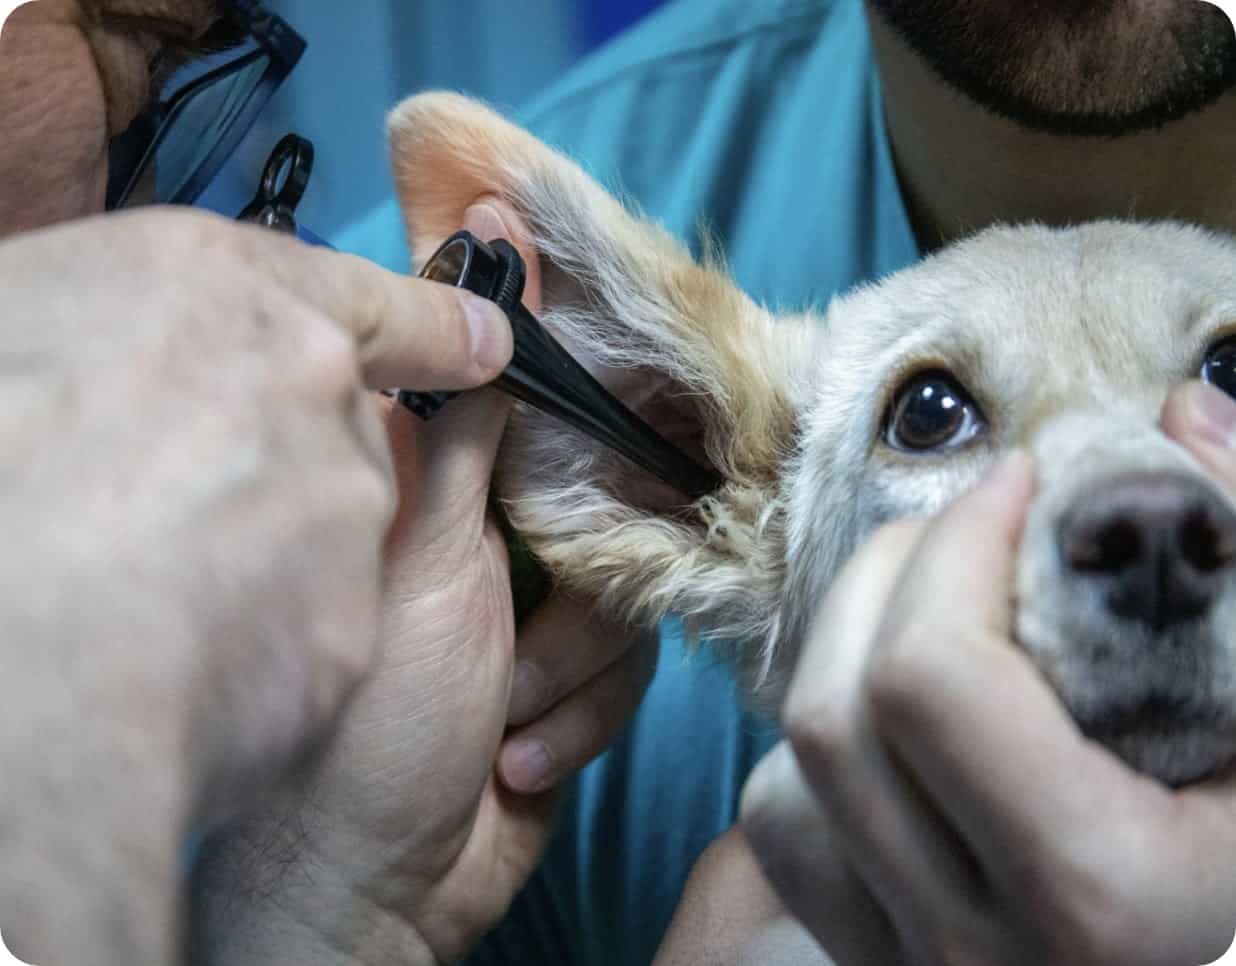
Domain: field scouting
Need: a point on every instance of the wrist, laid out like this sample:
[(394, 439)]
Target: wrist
[(258, 895)]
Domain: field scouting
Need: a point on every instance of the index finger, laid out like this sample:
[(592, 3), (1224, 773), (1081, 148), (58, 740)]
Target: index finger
[(1061, 827), (1043, 809), (1202, 419), (957, 701), (410, 332)]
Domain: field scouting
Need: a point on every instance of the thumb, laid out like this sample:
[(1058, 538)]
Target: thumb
[(443, 470), (459, 340), (969, 551), (444, 467), (1202, 419)]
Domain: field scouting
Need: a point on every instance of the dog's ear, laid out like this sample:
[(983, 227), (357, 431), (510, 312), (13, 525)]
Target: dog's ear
[(676, 340)]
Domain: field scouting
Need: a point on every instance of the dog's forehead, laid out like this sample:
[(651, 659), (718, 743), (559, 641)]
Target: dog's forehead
[(1104, 303)]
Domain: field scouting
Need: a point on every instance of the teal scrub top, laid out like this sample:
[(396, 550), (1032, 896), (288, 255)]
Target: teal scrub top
[(763, 122)]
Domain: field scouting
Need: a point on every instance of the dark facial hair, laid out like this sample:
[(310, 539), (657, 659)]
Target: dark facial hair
[(1079, 67)]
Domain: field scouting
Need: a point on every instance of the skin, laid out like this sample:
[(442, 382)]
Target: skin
[(961, 167), (1010, 868), (917, 813), (1065, 68), (904, 819), (233, 384), (425, 906), (428, 864)]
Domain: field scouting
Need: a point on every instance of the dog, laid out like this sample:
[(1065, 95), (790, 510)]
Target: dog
[(890, 403)]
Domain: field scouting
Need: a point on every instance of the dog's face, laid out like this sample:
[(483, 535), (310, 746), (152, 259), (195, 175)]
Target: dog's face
[(1062, 342), (1065, 343)]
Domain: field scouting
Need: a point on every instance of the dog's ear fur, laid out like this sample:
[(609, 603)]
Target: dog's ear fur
[(624, 294)]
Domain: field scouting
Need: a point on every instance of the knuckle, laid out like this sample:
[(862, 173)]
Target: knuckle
[(359, 502), (951, 943), (344, 619), (317, 358), (760, 821), (386, 488), (788, 833), (758, 803), (343, 662), (446, 322), (349, 661), (194, 235), (369, 305), (1100, 933), (355, 660), (328, 346), (821, 732), (1091, 937), (1083, 916), (940, 942), (377, 499), (894, 677)]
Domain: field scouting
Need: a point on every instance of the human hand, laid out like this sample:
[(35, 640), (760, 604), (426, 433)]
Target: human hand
[(729, 915), (934, 803), (195, 498), (426, 812)]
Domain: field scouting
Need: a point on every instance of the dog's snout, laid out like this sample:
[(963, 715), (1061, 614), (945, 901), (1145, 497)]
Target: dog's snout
[(1160, 544)]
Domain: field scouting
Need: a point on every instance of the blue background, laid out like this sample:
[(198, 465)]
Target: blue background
[(367, 55)]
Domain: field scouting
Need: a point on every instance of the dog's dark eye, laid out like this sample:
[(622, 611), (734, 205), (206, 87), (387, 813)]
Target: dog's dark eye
[(1219, 366), (931, 411)]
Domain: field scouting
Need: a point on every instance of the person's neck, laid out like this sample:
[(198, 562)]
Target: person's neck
[(962, 168)]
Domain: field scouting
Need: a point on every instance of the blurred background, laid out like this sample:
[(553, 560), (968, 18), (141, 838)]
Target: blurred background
[(367, 55)]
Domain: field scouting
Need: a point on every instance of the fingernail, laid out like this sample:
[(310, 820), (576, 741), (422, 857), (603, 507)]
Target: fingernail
[(489, 330), (526, 765), (484, 221), (1213, 412), (528, 687)]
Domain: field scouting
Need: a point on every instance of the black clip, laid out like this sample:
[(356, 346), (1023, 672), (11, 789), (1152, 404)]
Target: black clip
[(283, 183)]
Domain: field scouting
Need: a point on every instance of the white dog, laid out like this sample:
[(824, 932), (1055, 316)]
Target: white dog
[(893, 402)]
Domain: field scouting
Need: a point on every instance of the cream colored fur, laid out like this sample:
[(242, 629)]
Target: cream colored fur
[(625, 294), (1068, 340)]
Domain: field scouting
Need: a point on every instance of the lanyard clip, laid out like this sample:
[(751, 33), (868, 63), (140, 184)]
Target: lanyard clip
[(283, 183)]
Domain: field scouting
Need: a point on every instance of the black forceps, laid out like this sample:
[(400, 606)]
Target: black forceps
[(544, 375)]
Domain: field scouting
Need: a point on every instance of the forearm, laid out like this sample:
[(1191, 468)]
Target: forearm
[(94, 788), (89, 849), (266, 901), (86, 896)]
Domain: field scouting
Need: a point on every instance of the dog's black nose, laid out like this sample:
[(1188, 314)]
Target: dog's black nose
[(1162, 545)]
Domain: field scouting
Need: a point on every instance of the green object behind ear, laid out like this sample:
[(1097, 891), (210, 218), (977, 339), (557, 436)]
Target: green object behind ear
[(530, 581)]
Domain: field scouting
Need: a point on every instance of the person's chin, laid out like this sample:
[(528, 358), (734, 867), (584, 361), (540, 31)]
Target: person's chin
[(1074, 68)]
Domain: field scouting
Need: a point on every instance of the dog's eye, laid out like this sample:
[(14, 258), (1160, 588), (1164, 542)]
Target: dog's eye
[(1219, 366), (931, 411)]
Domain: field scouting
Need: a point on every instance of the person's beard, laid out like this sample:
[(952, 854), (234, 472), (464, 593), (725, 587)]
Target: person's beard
[(1085, 67)]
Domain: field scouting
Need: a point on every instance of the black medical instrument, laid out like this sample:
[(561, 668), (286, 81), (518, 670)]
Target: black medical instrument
[(541, 372), (544, 375)]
